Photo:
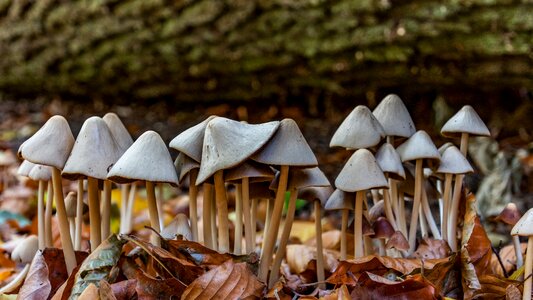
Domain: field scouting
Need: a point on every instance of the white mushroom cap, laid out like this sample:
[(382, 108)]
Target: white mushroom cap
[(340, 200), (250, 169), (418, 146), (390, 162), (287, 147), (178, 226), (312, 193), (147, 159), (191, 140), (361, 172), (228, 143), (94, 153), (40, 172), (184, 164), (302, 178), (70, 204), (394, 117), (453, 162), (524, 226), (50, 145), (360, 129), (25, 250), (25, 168), (444, 147), (465, 120), (119, 131)]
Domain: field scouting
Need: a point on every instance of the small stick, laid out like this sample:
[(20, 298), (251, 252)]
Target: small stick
[(40, 215), (238, 220), (222, 212), (193, 204), (206, 215), (48, 215)]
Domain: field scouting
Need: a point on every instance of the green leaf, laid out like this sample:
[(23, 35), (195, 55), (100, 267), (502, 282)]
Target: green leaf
[(299, 202), (97, 266)]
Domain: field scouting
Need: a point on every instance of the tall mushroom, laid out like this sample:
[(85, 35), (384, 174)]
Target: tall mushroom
[(148, 160), (524, 227), (50, 146), (94, 153), (360, 174), (360, 129), (394, 117), (341, 200), (42, 174), (418, 147), (228, 143), (287, 147)]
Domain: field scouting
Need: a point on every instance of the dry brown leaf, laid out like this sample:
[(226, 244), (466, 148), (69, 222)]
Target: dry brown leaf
[(299, 256), (90, 293), (124, 290), (508, 257), (228, 281), (149, 287), (494, 287), (376, 287), (341, 293), (446, 277), (106, 292), (432, 249), (277, 292)]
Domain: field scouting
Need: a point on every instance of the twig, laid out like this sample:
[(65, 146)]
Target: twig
[(497, 253)]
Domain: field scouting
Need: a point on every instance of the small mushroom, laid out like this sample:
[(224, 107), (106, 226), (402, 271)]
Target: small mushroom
[(524, 227), (510, 215), (42, 174), (70, 203), (359, 130), (179, 227), (398, 242), (341, 200), (383, 230), (394, 117), (25, 250)]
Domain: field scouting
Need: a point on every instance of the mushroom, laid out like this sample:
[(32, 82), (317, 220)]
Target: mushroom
[(50, 146), (510, 215), (178, 227), (124, 141), (287, 147), (406, 192), (394, 117), (25, 250), (190, 143), (359, 130), (41, 174), (360, 174), (94, 153), (228, 143), (418, 147), (259, 191), (398, 242), (146, 160), (298, 179), (452, 162), (383, 230), (70, 203), (341, 200), (524, 227)]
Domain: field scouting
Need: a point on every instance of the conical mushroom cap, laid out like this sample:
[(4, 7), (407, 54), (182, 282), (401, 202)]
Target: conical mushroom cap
[(70, 204), (228, 143), (94, 152), (147, 159), (418, 146), (398, 241), (444, 147), (25, 250), (453, 162), (340, 200), (394, 117), (249, 169), (377, 210), (524, 226), (191, 140), (302, 178), (389, 161), (25, 168), (178, 226), (287, 147), (118, 131), (50, 145), (40, 172), (184, 164), (382, 228), (360, 129), (510, 215), (465, 120), (312, 193), (361, 172)]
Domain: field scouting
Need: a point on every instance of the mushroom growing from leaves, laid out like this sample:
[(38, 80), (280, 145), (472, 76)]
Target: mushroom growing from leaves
[(398, 242), (178, 227), (287, 147), (360, 174), (146, 160), (383, 230), (94, 153), (418, 147), (510, 215), (51, 146), (186, 167), (41, 174), (228, 143), (359, 130), (524, 227), (343, 201)]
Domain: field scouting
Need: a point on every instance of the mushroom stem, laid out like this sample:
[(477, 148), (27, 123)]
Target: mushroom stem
[(272, 232), (106, 210), (213, 214), (159, 200), (40, 215), (464, 143), (344, 227), (419, 176), (454, 212), (129, 210), (423, 224), (446, 210), (238, 220), (66, 242), (193, 203), (245, 183), (222, 212), (268, 217), (518, 252), (287, 226), (124, 190), (206, 214), (79, 216), (72, 226), (528, 270), (255, 202), (429, 216), (401, 210), (94, 212), (388, 209), (381, 247), (152, 210), (358, 229), (319, 248), (16, 282), (48, 215)]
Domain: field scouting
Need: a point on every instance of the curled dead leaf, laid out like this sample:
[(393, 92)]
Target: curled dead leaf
[(299, 256)]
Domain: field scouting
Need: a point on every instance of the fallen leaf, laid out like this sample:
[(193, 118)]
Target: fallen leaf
[(149, 287), (277, 292), (124, 290), (332, 240), (432, 249), (299, 256), (105, 292), (341, 293), (494, 287), (228, 281), (446, 277), (90, 293), (376, 287), (508, 257)]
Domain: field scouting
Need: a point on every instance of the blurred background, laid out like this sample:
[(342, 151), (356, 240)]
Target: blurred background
[(167, 65)]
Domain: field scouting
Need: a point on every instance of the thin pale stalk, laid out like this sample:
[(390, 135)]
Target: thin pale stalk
[(160, 208), (238, 220), (94, 212), (429, 216), (526, 294), (222, 212), (153, 212), (79, 216), (454, 212), (255, 202), (402, 218), (124, 191), (381, 247), (423, 224), (206, 215), (193, 203), (344, 229), (518, 252), (66, 242), (245, 183), (375, 196), (268, 216), (319, 248), (40, 215), (129, 211), (106, 210), (388, 209), (358, 226), (72, 227), (419, 177), (48, 215), (446, 210), (213, 206)]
